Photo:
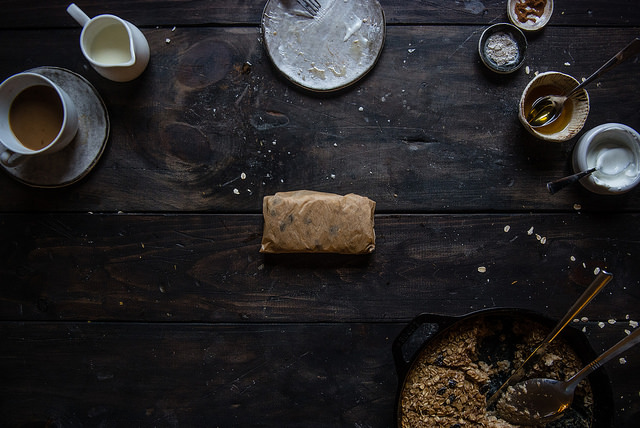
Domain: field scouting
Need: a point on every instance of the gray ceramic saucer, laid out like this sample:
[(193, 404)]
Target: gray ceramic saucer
[(328, 51), (77, 159)]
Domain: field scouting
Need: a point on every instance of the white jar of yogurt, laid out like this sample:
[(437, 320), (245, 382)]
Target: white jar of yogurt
[(614, 150)]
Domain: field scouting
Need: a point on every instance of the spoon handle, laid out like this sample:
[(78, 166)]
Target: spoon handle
[(554, 186), (612, 352), (627, 52), (594, 288)]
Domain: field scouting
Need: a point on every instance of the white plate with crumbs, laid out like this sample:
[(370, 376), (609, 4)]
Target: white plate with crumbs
[(328, 51)]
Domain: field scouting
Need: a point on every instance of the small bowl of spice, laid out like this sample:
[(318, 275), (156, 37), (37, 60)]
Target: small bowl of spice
[(502, 48), (530, 15)]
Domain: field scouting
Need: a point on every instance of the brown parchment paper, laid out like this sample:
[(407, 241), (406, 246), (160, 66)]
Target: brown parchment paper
[(306, 221)]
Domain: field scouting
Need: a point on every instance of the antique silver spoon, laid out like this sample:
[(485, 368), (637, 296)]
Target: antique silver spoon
[(537, 401), (547, 109), (608, 163), (592, 290)]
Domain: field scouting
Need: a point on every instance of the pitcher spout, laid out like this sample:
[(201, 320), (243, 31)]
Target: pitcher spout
[(115, 48)]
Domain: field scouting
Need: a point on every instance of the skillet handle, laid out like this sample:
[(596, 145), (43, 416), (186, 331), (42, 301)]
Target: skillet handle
[(397, 348)]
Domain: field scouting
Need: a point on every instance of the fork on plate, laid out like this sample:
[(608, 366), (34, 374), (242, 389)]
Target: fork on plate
[(311, 6)]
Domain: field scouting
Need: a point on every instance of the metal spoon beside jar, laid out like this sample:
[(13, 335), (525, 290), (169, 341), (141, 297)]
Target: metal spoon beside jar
[(548, 108), (610, 162)]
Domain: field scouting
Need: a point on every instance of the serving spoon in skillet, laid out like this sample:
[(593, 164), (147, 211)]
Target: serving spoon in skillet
[(540, 400), (594, 288)]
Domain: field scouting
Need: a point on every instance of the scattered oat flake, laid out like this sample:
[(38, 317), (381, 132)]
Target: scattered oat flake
[(596, 271), (572, 258), (577, 207), (611, 321), (361, 109), (507, 228), (538, 237), (567, 64), (482, 269), (627, 332), (623, 360), (633, 324), (601, 324), (167, 40), (543, 240), (584, 329), (527, 69), (530, 231), (243, 176), (584, 319), (411, 50), (236, 191)]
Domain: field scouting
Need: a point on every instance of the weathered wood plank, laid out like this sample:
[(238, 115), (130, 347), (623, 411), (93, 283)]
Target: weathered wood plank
[(21, 14), (313, 375), (442, 137), (208, 268), (196, 375)]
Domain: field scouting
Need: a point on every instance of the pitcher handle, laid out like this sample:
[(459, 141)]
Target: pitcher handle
[(77, 14)]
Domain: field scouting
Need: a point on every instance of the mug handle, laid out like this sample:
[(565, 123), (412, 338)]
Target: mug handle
[(11, 159), (77, 14)]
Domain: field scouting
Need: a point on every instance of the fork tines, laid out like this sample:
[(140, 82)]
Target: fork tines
[(311, 6)]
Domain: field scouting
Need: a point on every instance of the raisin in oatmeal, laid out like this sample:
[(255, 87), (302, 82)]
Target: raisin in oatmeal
[(450, 380)]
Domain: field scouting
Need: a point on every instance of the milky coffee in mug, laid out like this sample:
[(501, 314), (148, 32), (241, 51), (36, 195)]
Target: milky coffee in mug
[(36, 116), (41, 102)]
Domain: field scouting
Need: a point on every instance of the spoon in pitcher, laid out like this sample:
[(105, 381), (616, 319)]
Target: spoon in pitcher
[(547, 109), (610, 162), (538, 401)]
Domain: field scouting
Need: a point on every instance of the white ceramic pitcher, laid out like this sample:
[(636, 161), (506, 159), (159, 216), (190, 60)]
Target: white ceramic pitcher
[(115, 48)]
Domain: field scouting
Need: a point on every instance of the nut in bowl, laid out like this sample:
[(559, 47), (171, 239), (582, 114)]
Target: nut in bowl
[(502, 48), (574, 113), (613, 149)]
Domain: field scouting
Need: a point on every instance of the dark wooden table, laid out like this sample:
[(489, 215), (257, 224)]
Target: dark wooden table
[(138, 297)]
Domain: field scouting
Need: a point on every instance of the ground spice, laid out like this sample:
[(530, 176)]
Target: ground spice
[(501, 49), (530, 10)]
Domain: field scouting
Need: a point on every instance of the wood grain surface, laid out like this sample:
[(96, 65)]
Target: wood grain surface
[(138, 297)]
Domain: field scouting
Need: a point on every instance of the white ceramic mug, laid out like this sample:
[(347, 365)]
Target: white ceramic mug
[(36, 117), (115, 48)]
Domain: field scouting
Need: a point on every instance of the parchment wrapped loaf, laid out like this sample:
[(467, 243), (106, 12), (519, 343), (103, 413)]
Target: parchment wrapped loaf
[(305, 221)]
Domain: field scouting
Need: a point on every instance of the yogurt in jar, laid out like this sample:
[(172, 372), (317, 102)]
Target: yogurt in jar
[(614, 150)]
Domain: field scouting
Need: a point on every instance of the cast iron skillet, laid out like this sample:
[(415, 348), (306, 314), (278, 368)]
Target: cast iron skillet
[(432, 326)]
